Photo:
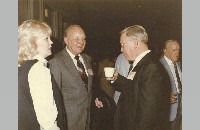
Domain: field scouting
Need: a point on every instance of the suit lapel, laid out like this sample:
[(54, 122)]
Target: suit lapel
[(166, 66), (69, 63), (143, 61), (87, 65), (164, 62), (85, 62), (72, 68)]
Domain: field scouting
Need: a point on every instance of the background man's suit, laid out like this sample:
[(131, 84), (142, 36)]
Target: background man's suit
[(174, 106), (77, 99)]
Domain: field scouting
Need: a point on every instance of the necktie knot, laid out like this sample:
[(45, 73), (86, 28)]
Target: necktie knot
[(81, 71), (76, 57), (130, 62), (80, 64), (131, 65), (174, 63)]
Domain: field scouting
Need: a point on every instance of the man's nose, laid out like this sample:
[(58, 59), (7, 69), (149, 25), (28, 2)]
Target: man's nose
[(80, 42)]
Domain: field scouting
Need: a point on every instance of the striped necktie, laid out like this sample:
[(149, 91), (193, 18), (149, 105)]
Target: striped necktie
[(131, 66), (178, 77), (82, 72)]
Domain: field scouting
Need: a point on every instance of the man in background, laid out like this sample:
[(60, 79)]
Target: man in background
[(169, 60)]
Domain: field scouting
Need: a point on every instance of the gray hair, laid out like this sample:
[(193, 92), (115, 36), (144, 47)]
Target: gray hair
[(168, 41), (71, 27), (136, 31)]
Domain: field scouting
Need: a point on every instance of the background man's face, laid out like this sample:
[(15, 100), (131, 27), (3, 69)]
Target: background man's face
[(172, 51)]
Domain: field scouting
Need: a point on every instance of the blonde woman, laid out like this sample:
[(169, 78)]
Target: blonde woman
[(40, 105)]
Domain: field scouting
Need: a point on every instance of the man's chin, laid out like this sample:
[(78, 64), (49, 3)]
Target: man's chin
[(126, 56), (79, 51)]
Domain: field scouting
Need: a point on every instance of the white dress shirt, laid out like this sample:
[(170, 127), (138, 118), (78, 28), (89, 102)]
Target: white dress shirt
[(75, 61), (171, 66), (138, 58), (39, 79)]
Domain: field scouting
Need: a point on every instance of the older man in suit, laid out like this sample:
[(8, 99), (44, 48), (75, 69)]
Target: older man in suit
[(73, 73), (169, 60), (142, 91)]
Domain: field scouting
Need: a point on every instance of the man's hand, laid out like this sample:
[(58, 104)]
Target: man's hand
[(173, 98), (98, 103)]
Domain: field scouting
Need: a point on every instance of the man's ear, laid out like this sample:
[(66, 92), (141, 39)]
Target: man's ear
[(164, 51), (136, 44), (66, 40)]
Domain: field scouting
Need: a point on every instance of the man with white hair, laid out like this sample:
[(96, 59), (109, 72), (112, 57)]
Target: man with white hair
[(142, 90)]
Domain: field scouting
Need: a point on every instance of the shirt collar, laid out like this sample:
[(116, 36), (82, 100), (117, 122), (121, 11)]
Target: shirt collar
[(41, 59), (71, 55), (169, 62), (140, 57)]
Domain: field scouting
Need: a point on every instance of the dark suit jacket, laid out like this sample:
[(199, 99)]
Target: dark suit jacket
[(141, 100), (77, 99)]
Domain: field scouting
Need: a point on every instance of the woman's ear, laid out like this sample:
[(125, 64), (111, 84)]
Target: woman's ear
[(35, 44)]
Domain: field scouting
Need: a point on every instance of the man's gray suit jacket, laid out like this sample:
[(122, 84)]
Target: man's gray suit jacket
[(77, 99)]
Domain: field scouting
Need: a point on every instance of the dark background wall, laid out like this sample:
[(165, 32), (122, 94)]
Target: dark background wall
[(102, 21)]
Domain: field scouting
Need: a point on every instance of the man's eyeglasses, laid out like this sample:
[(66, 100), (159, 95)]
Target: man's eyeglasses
[(129, 39)]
